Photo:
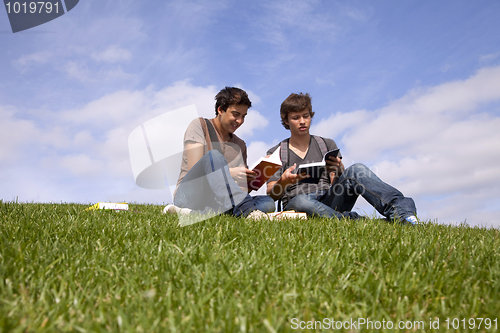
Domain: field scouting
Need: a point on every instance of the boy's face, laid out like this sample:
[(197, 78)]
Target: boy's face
[(233, 118), (299, 122)]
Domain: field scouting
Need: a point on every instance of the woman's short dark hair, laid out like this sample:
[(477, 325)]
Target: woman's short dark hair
[(295, 103), (231, 96)]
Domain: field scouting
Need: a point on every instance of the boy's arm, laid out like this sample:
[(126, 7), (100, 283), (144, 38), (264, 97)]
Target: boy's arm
[(194, 152)]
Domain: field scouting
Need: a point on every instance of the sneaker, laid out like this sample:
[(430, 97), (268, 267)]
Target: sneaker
[(172, 209), (411, 220), (257, 215)]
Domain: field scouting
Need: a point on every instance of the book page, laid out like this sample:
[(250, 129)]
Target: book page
[(273, 158)]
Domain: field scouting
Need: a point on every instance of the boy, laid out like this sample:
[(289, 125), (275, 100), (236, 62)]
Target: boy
[(214, 168), (335, 191)]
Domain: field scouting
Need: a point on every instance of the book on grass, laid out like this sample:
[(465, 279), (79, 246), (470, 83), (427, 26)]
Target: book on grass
[(109, 205), (287, 214), (264, 168), (315, 169)]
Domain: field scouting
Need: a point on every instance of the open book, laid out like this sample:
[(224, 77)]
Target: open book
[(314, 170), (265, 167)]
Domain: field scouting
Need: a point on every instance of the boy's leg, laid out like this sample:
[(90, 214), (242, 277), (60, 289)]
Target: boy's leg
[(310, 204), (359, 180), (264, 203), (208, 186)]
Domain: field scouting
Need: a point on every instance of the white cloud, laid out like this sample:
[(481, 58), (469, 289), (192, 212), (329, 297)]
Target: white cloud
[(459, 96), (112, 54), (113, 109), (253, 121), (290, 22), (302, 15), (83, 139), (488, 57), (339, 123), (256, 150), (36, 58), (81, 165), (357, 14), (82, 72), (14, 134), (79, 71), (131, 108), (184, 93)]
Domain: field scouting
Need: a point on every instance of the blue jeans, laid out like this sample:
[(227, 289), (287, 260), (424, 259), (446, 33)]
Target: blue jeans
[(208, 187), (340, 198)]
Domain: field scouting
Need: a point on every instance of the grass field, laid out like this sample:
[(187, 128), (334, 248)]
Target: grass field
[(66, 269)]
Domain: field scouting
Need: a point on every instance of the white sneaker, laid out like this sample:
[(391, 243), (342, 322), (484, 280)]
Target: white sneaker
[(172, 209), (257, 215), (411, 220)]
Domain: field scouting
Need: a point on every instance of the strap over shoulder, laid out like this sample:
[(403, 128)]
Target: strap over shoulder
[(284, 151), (214, 140), (321, 143), (284, 148)]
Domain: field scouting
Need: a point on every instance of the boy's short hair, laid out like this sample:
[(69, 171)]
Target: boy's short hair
[(231, 96), (295, 103)]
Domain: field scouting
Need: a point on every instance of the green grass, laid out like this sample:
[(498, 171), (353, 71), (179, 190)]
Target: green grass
[(66, 269)]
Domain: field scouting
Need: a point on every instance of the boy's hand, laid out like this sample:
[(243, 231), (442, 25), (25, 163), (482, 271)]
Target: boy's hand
[(242, 175), (276, 189), (289, 177), (334, 166), (250, 175)]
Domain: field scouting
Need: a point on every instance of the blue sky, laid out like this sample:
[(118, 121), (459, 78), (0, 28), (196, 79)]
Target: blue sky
[(409, 88)]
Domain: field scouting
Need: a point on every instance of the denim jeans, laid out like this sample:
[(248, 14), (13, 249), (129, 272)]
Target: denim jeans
[(340, 198), (209, 188)]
